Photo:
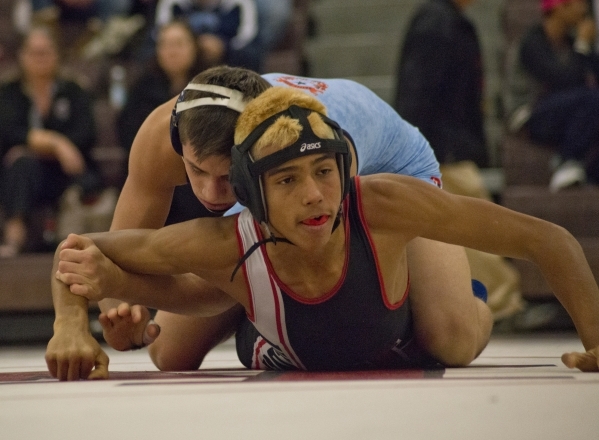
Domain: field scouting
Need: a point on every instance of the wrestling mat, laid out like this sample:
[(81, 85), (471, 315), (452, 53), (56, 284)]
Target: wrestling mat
[(517, 389)]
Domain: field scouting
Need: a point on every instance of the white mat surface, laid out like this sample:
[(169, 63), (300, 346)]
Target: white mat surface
[(517, 389)]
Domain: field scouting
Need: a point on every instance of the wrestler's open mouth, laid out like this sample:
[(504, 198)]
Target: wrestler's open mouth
[(316, 221)]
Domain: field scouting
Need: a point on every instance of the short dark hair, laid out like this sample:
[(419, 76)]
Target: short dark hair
[(210, 129)]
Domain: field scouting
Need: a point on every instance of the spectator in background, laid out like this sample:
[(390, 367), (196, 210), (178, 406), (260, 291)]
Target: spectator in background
[(440, 91), (175, 63), (47, 130), (235, 32), (224, 29), (440, 82), (554, 90)]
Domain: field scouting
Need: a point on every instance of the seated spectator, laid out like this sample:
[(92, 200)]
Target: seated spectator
[(174, 64), (226, 30), (553, 90), (47, 130)]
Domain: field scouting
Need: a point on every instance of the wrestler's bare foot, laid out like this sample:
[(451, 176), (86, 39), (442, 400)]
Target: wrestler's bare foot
[(128, 327)]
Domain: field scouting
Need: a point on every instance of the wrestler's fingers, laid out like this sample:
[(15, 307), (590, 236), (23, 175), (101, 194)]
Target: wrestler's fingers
[(582, 361), (66, 266), (62, 369), (72, 255), (52, 366), (105, 321), (70, 278), (61, 276), (112, 314), (124, 310), (81, 290), (76, 241), (73, 372), (85, 368), (137, 313), (100, 370)]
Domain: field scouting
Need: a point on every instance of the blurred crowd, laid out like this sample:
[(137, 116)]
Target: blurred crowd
[(86, 73)]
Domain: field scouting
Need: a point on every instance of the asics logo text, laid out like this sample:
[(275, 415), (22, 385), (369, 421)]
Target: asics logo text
[(306, 147)]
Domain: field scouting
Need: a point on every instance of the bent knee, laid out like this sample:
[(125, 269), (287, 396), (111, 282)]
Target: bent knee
[(165, 358), (455, 341)]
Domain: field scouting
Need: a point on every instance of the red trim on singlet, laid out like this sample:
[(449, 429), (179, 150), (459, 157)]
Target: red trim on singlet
[(282, 338), (273, 291), (376, 258), (257, 353), (311, 301), (240, 247)]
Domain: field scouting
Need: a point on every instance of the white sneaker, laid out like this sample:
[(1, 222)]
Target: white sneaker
[(568, 174)]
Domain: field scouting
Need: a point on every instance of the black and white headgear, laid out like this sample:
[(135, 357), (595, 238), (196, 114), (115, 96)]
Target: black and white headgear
[(230, 98), (245, 173)]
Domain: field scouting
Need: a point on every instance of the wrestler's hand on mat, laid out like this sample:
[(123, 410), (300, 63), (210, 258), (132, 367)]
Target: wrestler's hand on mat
[(128, 327), (588, 361), (74, 355), (86, 270)]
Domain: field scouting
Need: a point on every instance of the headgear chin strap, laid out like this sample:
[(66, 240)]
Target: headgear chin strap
[(245, 173), (230, 98)]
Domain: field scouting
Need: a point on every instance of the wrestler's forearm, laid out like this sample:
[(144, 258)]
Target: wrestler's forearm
[(132, 251), (185, 294), (567, 272), (70, 310)]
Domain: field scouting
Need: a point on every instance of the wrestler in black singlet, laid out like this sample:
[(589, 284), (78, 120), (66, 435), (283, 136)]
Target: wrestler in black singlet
[(349, 328)]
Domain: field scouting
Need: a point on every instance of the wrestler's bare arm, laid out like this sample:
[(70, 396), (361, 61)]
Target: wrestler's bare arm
[(72, 353), (154, 172), (406, 207), (206, 247), (182, 294)]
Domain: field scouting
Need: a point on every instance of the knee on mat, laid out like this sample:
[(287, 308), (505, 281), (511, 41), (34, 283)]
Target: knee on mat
[(166, 359), (453, 343)]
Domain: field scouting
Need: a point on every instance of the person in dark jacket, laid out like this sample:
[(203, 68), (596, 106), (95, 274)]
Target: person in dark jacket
[(440, 82), (47, 131), (440, 91)]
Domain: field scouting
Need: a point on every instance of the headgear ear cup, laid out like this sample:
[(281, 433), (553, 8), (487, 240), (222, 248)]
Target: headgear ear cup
[(246, 187), (235, 177), (174, 128)]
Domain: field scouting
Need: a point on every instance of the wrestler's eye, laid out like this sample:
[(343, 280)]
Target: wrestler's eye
[(196, 171), (285, 180)]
